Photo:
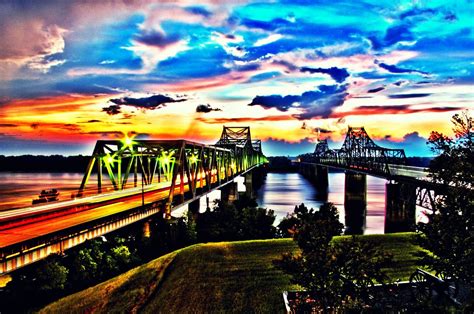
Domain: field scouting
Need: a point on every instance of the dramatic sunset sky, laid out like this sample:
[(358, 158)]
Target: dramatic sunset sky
[(72, 72)]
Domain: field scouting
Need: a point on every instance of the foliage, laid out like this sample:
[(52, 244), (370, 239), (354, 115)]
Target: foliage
[(449, 234), (242, 220), (227, 277), (331, 273)]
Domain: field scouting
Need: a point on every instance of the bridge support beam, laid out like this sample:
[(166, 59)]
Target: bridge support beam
[(248, 181), (322, 180), (229, 193), (400, 207), (355, 202)]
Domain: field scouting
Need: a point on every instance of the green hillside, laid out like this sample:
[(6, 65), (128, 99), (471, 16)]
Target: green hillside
[(214, 277)]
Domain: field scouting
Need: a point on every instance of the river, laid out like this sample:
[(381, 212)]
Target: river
[(280, 192)]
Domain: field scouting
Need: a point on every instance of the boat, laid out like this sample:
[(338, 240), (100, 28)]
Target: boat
[(46, 196)]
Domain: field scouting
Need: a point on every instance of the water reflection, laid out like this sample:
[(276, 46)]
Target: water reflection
[(282, 191)]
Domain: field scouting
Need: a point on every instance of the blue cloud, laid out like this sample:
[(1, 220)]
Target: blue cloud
[(318, 103), (395, 69), (403, 96), (339, 75), (152, 102), (376, 90), (199, 10), (154, 38)]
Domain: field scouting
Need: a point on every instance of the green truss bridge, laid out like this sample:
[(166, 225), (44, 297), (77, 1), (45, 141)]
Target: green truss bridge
[(127, 181)]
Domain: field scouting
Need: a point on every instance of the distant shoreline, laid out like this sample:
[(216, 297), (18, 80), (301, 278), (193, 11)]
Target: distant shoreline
[(78, 163)]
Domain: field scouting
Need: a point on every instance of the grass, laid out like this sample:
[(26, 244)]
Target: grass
[(403, 248), (214, 277)]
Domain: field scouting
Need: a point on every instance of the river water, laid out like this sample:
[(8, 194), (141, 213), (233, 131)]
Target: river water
[(280, 192)]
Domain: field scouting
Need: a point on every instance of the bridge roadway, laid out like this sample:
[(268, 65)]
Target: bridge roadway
[(400, 171), (22, 231)]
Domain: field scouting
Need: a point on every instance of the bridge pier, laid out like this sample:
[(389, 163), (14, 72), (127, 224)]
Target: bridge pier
[(193, 207), (355, 202), (321, 179), (400, 207), (318, 175), (248, 181), (229, 193)]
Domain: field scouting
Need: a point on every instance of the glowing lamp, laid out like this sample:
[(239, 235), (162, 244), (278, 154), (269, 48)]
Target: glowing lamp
[(193, 159)]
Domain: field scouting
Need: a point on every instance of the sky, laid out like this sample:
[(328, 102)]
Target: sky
[(73, 72)]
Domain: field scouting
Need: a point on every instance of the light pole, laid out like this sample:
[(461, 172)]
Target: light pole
[(143, 193)]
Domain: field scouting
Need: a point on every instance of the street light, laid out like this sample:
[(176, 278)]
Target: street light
[(143, 193)]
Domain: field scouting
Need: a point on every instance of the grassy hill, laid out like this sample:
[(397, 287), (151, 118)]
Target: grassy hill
[(214, 277)]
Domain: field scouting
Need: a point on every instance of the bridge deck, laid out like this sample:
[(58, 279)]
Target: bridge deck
[(30, 224)]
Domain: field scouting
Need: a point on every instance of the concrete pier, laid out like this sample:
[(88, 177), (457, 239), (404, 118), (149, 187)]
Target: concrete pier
[(321, 179), (355, 202), (318, 176), (248, 182), (193, 207), (400, 207), (229, 192)]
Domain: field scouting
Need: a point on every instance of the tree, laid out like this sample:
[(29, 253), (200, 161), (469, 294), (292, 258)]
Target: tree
[(449, 234), (242, 220), (330, 272), (52, 276)]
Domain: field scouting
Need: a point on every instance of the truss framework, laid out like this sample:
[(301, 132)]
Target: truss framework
[(358, 151), (190, 168)]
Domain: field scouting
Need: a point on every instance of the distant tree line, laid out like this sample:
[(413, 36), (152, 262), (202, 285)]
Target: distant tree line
[(54, 163)]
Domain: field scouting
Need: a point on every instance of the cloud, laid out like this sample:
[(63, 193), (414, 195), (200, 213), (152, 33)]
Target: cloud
[(206, 108), (375, 90), (412, 143), (267, 40), (245, 119), (230, 43), (339, 75), (394, 109), (156, 38), (107, 62), (112, 109), (198, 10), (8, 125), (31, 44), (106, 134), (414, 95), (394, 69), (312, 104), (152, 102)]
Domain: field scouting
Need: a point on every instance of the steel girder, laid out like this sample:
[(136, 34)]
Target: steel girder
[(357, 152)]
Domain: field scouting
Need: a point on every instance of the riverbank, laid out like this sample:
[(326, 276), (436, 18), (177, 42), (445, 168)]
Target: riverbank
[(216, 277)]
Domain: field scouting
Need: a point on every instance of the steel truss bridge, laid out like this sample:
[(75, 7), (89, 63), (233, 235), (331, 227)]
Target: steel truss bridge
[(135, 180), (359, 153)]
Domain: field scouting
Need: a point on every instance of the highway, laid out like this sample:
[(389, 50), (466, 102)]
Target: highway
[(20, 225), (408, 171)]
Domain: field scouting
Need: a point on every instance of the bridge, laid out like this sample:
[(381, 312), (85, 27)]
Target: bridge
[(359, 156), (135, 180)]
